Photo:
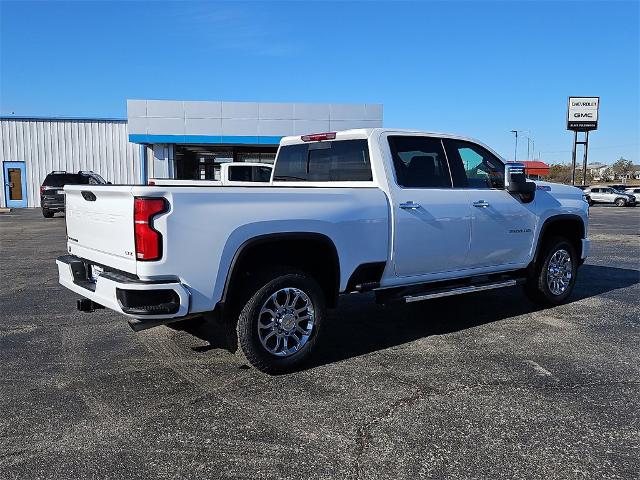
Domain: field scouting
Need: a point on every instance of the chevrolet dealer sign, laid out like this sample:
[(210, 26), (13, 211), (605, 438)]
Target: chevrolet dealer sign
[(582, 114)]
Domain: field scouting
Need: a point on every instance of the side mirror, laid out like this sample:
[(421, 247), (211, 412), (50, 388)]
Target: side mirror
[(515, 181)]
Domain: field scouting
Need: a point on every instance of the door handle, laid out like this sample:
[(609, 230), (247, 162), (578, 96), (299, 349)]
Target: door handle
[(481, 204), (410, 205)]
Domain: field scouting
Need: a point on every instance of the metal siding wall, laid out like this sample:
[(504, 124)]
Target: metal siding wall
[(46, 145)]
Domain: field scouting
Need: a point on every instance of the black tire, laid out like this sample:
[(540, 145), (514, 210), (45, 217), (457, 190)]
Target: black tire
[(621, 202), (47, 213), (249, 346), (537, 287)]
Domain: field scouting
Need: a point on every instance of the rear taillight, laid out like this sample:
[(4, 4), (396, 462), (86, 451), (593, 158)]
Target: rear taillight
[(41, 189), (148, 239), (317, 137)]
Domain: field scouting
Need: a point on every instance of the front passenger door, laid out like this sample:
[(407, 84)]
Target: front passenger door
[(502, 226)]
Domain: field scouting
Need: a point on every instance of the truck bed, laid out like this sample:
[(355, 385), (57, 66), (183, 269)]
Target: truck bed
[(205, 226)]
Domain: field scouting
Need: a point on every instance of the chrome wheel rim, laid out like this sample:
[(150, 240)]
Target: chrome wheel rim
[(286, 321), (559, 272)]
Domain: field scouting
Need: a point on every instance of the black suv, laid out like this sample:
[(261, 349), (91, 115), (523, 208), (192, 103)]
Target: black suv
[(52, 195)]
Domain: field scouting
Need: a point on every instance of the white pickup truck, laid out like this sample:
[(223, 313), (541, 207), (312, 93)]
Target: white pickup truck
[(409, 215)]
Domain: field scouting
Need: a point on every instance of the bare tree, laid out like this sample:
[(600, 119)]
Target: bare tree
[(623, 168)]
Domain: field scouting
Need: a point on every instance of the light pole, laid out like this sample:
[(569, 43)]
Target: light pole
[(515, 153)]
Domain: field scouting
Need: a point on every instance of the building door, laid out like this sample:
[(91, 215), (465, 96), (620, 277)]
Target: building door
[(15, 185)]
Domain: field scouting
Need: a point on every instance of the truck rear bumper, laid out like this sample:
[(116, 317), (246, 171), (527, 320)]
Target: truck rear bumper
[(157, 300)]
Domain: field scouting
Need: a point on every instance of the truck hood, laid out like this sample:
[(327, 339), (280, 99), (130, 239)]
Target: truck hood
[(560, 190)]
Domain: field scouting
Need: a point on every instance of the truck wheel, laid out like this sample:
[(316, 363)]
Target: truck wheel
[(620, 202), (47, 213), (279, 325), (554, 275)]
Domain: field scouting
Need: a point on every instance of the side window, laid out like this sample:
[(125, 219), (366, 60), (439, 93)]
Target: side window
[(419, 162), (333, 161), (473, 166), (262, 174), (240, 173)]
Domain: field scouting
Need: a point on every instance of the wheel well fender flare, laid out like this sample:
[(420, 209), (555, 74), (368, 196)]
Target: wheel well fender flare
[(552, 221), (263, 239)]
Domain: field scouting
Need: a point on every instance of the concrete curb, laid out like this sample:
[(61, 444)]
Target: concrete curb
[(5, 210)]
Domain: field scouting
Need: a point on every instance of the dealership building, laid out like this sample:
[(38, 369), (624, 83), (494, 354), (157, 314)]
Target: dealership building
[(160, 139)]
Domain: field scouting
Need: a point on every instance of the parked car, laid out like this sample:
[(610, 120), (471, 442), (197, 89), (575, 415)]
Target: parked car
[(608, 194), (362, 210), (231, 174), (52, 189), (635, 191)]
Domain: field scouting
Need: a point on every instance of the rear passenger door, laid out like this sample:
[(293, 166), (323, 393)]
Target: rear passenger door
[(502, 226), (431, 220), (596, 194)]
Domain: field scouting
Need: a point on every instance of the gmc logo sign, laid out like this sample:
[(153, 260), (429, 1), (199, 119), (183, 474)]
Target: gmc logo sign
[(582, 115)]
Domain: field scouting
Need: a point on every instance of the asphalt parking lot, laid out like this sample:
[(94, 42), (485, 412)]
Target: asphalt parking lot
[(480, 386)]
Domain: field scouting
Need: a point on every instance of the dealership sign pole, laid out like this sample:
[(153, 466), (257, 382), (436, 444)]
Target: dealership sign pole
[(582, 116)]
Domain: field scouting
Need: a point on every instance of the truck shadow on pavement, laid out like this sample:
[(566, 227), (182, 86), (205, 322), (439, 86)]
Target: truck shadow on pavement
[(359, 326)]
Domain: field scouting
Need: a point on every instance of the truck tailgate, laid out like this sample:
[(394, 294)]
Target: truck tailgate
[(100, 225)]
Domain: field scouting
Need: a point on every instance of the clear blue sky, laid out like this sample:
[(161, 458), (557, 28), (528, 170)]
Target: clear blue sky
[(475, 68)]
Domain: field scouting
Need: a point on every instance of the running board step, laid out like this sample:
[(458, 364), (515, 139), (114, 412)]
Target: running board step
[(460, 290)]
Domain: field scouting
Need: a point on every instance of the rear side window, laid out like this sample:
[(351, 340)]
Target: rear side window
[(240, 173), (262, 174), (419, 162), (62, 179), (334, 161), (95, 179)]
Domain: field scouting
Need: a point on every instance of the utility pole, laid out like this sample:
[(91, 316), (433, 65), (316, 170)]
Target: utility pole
[(530, 145)]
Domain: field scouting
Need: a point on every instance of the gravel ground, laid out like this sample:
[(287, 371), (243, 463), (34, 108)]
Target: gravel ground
[(480, 386)]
